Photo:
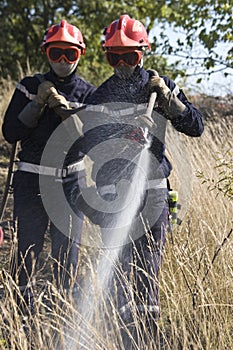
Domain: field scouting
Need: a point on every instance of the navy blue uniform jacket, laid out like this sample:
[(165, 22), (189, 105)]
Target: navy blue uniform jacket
[(115, 93), (33, 140)]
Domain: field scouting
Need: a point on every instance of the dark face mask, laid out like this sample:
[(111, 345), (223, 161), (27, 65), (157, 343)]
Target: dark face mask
[(63, 69), (124, 72)]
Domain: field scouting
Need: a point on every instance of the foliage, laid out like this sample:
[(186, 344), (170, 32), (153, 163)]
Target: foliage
[(224, 182), (205, 23), (23, 23)]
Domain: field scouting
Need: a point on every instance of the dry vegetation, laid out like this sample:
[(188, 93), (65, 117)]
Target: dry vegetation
[(197, 275)]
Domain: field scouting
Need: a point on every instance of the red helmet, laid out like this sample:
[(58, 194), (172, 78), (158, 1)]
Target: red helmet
[(64, 32), (125, 32)]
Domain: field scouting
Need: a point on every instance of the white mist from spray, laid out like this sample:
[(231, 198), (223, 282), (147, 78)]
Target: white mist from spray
[(120, 231), (95, 294)]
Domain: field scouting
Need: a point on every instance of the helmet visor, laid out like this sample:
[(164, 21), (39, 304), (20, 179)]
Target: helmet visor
[(69, 53), (131, 58)]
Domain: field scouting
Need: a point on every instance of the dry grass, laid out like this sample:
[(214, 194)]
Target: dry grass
[(196, 278), (195, 297)]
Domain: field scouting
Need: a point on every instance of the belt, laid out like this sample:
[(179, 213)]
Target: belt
[(46, 170), (111, 189)]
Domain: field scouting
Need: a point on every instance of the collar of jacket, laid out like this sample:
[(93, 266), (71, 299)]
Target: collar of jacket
[(140, 76), (52, 76)]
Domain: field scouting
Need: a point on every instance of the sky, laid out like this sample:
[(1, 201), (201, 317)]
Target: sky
[(216, 84)]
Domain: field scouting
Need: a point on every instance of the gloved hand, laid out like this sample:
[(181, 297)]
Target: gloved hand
[(167, 99), (31, 113), (158, 85), (55, 100), (59, 104), (138, 135), (43, 92)]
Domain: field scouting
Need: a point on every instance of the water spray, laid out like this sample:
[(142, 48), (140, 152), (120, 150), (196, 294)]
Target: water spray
[(118, 234)]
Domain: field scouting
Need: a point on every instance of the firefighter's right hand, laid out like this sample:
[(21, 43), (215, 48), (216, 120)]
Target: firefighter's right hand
[(139, 135), (45, 89)]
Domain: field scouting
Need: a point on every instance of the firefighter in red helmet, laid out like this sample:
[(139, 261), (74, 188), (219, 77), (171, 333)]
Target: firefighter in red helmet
[(119, 102), (31, 118), (125, 41), (66, 33), (63, 44)]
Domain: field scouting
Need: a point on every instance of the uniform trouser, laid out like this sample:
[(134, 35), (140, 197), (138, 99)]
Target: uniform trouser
[(138, 262), (32, 222), (134, 237)]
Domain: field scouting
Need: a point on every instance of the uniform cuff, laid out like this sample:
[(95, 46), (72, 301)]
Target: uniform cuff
[(31, 113)]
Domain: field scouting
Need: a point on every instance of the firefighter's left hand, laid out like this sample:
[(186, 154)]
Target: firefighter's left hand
[(158, 85), (56, 100), (167, 100), (59, 104)]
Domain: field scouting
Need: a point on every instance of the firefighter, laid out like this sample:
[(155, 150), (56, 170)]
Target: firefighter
[(31, 118), (117, 104)]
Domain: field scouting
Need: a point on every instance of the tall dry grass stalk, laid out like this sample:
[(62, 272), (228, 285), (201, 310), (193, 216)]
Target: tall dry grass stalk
[(7, 87), (195, 298)]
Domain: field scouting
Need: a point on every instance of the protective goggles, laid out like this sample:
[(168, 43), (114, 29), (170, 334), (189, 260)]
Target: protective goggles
[(58, 52), (131, 58)]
